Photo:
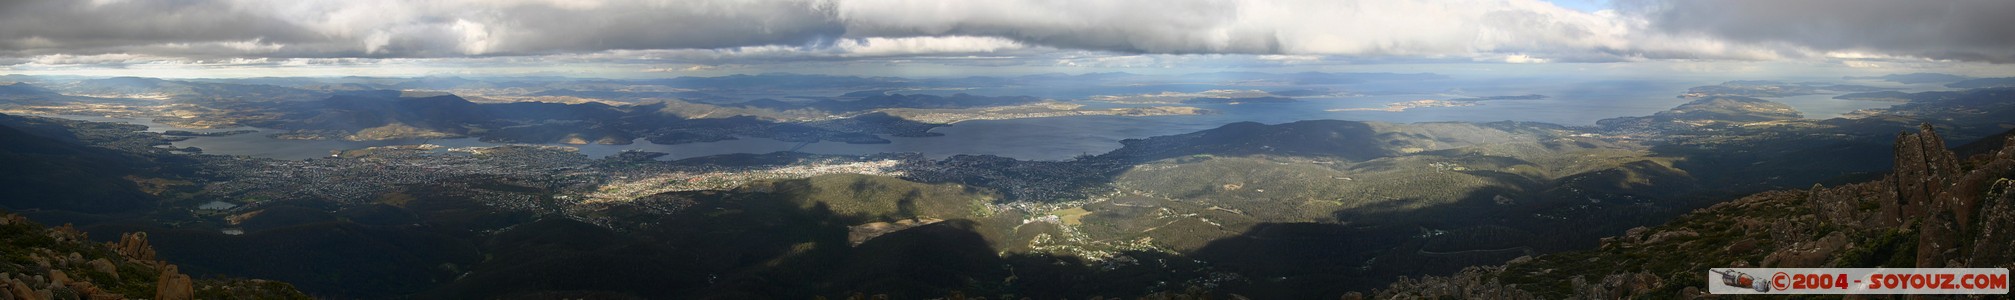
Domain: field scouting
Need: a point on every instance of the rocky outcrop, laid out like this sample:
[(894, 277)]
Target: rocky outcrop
[(1923, 169), (1952, 216), (15, 288), (1616, 286), (1934, 210), (1988, 216), (63, 263), (134, 246), (1995, 241), (1471, 283), (173, 285), (105, 266)]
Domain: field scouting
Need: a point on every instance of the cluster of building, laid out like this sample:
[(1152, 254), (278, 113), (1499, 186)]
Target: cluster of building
[(364, 175), (625, 186), (1022, 180), (550, 174), (559, 179)]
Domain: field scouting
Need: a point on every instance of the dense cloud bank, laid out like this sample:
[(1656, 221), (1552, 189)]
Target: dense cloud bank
[(83, 31)]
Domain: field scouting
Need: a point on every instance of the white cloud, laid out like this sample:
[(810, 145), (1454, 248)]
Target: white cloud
[(1291, 59), (252, 46), (1861, 64), (1524, 59), (879, 46), (110, 58), (1125, 33), (688, 68), (475, 38), (1126, 61), (1459, 28), (1971, 30)]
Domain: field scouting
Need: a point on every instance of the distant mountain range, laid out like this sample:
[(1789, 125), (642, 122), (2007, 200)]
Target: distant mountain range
[(890, 100), (384, 115), (1916, 78)]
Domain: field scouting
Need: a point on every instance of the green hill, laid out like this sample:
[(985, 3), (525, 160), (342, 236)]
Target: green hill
[(48, 173)]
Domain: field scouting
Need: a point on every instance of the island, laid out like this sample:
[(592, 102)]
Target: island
[(1036, 110), (1403, 106), (212, 134)]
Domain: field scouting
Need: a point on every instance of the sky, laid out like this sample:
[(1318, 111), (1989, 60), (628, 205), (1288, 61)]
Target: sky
[(664, 38)]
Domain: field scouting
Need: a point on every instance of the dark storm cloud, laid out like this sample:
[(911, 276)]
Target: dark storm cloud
[(116, 31), (367, 28), (1976, 30), (538, 29), (452, 28), (90, 27)]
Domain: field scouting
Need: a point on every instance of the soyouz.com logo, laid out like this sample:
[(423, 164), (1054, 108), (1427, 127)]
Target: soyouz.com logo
[(1857, 281)]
